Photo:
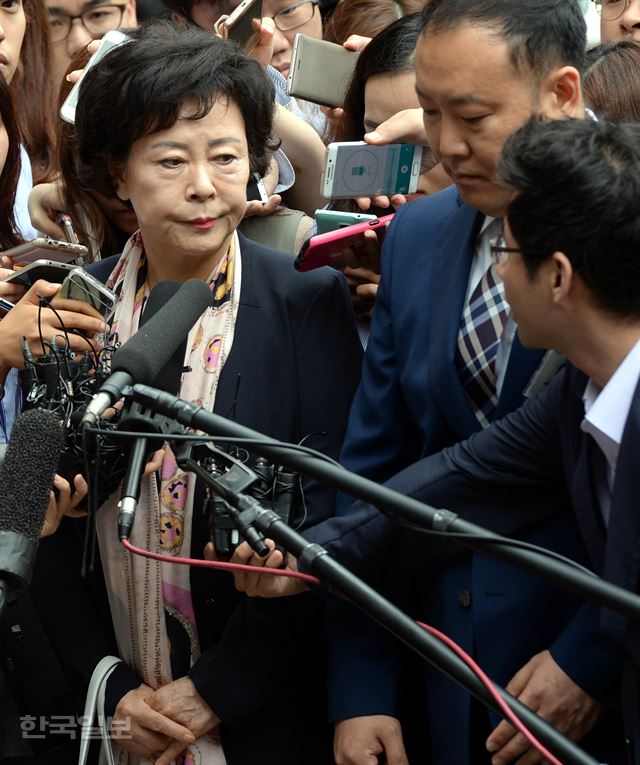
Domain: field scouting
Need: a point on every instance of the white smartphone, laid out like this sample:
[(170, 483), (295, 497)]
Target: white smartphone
[(320, 71), (358, 169), (110, 41), (80, 285), (45, 248), (48, 270), (238, 25)]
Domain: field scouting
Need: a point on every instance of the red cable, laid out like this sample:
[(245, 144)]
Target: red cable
[(487, 682), (219, 564), (451, 644)]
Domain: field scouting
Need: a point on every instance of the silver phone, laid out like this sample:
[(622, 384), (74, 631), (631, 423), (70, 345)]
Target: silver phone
[(47, 249), (80, 285), (320, 71)]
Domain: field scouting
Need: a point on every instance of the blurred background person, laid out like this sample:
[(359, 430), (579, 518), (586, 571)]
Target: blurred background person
[(619, 19), (611, 82)]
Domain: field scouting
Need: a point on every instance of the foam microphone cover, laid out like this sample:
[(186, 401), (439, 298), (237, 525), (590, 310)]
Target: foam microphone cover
[(26, 476), (145, 355), (170, 377)]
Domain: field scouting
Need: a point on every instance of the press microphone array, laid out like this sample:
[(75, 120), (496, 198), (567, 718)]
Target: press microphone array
[(143, 357), (140, 419), (26, 476)]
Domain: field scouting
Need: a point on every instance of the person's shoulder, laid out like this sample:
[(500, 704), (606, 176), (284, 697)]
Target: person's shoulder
[(101, 269), (274, 267), (431, 206)]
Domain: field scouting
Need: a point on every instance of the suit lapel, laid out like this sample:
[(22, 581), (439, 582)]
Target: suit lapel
[(521, 365), (238, 383), (453, 255)]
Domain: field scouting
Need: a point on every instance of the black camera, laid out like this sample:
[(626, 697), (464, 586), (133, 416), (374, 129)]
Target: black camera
[(273, 486)]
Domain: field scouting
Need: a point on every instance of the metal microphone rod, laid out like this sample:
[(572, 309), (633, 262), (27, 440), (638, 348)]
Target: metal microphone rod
[(339, 579), (588, 586)]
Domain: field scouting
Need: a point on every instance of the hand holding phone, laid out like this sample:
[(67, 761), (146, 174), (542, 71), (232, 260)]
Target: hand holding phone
[(82, 287), (358, 169), (238, 25), (110, 40), (45, 248), (329, 249), (30, 320)]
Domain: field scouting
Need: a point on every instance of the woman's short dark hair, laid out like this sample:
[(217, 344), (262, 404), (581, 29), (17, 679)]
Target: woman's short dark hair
[(142, 87), (610, 83), (9, 236), (577, 186)]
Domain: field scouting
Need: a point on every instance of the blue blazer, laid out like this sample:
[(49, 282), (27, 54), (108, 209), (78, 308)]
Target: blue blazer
[(537, 450), (411, 404)]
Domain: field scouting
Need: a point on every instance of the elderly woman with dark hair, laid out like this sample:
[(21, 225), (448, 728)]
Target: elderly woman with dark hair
[(173, 123)]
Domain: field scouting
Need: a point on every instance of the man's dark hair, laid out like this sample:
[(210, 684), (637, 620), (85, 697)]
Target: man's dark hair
[(142, 87), (541, 34), (577, 186)]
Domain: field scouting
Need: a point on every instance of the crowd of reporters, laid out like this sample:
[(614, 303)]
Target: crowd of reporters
[(506, 292)]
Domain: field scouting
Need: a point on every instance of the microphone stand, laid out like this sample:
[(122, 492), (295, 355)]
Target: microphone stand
[(588, 586), (251, 514), (316, 559)]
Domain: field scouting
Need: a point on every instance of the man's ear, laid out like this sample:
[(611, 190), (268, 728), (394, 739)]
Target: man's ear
[(561, 94), (130, 15), (561, 277)]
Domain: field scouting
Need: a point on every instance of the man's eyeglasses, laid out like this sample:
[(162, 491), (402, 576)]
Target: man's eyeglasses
[(500, 252), (295, 15), (96, 20), (611, 9)]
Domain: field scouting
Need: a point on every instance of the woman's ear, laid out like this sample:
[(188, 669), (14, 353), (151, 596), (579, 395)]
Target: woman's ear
[(119, 180)]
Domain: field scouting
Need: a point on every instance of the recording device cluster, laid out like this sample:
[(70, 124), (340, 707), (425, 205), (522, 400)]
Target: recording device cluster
[(63, 382), (275, 487), (78, 389)]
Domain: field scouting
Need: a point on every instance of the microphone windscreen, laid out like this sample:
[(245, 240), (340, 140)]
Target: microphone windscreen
[(159, 295), (145, 354), (27, 472)]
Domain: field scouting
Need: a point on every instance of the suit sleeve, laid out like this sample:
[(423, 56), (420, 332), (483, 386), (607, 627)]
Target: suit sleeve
[(381, 438), (496, 479), (266, 641)]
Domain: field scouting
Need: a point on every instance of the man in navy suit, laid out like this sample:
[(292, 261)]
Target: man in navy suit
[(571, 273), (431, 378), (444, 360)]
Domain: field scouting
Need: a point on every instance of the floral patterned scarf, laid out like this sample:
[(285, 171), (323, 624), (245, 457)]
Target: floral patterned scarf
[(140, 590)]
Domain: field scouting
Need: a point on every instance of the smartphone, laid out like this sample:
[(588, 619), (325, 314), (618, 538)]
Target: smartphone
[(238, 25), (358, 169), (40, 269), (320, 71), (110, 41), (256, 190), (330, 220), (328, 249), (46, 248), (79, 285)]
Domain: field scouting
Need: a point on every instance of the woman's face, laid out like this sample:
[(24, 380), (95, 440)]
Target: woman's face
[(12, 27), (388, 94), (282, 11), (187, 185)]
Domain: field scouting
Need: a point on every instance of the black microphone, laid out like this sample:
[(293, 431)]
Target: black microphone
[(133, 419), (26, 476), (145, 354)]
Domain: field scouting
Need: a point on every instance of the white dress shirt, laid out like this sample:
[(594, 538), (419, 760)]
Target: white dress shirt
[(605, 415)]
